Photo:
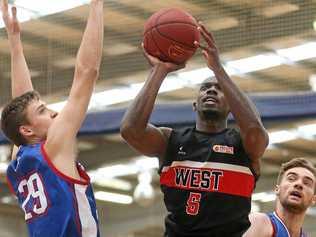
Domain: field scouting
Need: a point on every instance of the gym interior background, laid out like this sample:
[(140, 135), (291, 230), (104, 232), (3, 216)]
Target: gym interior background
[(267, 46)]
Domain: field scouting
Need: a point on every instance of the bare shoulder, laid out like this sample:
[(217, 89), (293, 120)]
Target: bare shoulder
[(166, 131), (260, 226)]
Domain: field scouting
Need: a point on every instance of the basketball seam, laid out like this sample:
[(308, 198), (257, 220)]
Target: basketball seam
[(157, 45), (170, 22), (166, 36), (166, 22)]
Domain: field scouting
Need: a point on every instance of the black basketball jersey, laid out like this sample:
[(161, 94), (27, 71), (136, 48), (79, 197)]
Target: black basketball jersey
[(207, 181)]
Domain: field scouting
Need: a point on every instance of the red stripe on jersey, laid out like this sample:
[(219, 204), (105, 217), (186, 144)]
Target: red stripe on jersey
[(208, 180), (10, 186)]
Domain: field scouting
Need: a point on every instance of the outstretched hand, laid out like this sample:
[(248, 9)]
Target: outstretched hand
[(210, 51), (11, 22), (153, 61)]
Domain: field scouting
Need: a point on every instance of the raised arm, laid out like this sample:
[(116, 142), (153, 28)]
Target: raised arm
[(135, 128), (254, 136), (260, 226), (20, 74), (62, 133)]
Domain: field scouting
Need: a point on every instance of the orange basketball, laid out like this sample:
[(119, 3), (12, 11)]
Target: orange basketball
[(169, 35)]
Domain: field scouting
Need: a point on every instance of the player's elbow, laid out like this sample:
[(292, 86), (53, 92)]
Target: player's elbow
[(256, 140), (129, 132), (87, 72)]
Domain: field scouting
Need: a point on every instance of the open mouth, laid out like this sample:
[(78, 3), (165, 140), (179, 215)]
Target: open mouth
[(210, 100), (296, 194)]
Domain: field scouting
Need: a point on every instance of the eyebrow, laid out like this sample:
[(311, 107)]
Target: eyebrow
[(209, 83), (40, 107), (305, 177)]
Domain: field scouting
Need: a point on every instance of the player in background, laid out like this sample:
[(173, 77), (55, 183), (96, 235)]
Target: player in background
[(208, 172), (52, 188), (295, 193)]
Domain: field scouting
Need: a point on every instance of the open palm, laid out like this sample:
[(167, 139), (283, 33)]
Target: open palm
[(11, 22)]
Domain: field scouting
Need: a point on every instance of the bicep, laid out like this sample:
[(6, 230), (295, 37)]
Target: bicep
[(153, 141), (62, 133), (255, 141)]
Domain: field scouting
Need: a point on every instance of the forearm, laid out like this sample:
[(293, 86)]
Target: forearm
[(243, 110), (90, 51), (20, 74), (137, 115)]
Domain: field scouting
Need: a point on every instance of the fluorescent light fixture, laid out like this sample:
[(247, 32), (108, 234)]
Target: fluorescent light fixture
[(108, 176), (314, 25), (311, 211), (32, 9), (146, 163), (282, 136), (264, 196), (255, 207), (7, 199), (300, 52), (307, 131), (110, 172), (114, 183), (3, 167), (312, 82), (256, 63), (46, 7), (113, 197)]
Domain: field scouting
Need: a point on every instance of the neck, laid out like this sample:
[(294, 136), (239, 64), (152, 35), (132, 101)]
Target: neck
[(34, 140), (210, 126), (292, 221)]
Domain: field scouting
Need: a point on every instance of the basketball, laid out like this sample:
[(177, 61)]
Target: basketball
[(169, 35)]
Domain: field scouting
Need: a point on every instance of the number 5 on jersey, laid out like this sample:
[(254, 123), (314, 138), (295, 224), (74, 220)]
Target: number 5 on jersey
[(35, 202), (193, 204)]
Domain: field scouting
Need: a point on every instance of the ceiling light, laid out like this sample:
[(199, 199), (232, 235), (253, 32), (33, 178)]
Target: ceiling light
[(312, 82), (264, 196), (45, 7), (113, 197), (282, 136), (300, 52), (256, 63), (115, 183)]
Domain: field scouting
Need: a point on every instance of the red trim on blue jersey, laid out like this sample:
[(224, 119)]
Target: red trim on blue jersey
[(233, 181), (274, 228), (78, 221), (10, 186), (82, 172)]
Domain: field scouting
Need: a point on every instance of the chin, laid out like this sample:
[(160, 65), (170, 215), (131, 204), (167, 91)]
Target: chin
[(295, 207), (211, 114)]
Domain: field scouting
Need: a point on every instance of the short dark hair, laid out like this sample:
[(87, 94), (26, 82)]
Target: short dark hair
[(14, 115), (297, 162)]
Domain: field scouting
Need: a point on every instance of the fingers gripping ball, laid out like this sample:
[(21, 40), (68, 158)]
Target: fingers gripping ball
[(169, 35)]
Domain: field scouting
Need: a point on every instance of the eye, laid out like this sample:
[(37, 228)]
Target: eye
[(291, 177), (308, 182), (42, 110), (203, 88)]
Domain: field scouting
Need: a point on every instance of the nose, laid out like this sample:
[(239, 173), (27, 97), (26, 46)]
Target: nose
[(298, 185), (53, 114), (212, 90)]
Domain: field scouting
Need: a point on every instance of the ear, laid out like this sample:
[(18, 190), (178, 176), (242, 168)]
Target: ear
[(194, 105), (313, 200), (26, 131), (277, 190)]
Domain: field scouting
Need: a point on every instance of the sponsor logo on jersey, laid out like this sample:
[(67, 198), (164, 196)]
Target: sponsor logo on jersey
[(223, 149), (181, 151)]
